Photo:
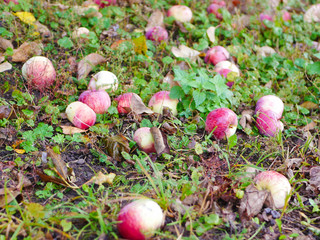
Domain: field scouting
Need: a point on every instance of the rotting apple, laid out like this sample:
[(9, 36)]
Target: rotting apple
[(105, 3), (81, 115), (223, 122), (268, 124), (143, 137), (181, 13), (276, 183), (103, 80), (39, 72), (216, 54), (124, 102), (270, 103), (162, 99), (157, 34), (140, 219), (98, 100)]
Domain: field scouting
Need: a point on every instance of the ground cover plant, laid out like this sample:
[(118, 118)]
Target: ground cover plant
[(159, 119)]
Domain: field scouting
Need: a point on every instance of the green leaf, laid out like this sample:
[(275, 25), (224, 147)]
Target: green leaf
[(232, 141), (314, 68), (198, 97), (65, 42), (167, 60), (176, 92)]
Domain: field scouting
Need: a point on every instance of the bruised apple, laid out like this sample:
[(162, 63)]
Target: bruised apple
[(81, 115), (144, 139), (181, 13), (99, 100), (39, 72), (103, 80), (277, 184), (157, 34), (162, 99), (216, 54), (140, 219), (223, 122)]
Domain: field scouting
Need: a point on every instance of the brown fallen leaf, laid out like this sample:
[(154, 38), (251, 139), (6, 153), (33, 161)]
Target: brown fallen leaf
[(86, 65), (310, 126), (158, 140), (43, 30), (246, 119), (185, 52), (71, 130), (101, 178), (169, 78), (59, 164), (309, 105), (242, 22), (27, 50), (156, 19), (6, 66), (5, 111), (45, 178), (4, 44), (115, 145), (252, 202), (137, 105), (315, 177), (7, 195)]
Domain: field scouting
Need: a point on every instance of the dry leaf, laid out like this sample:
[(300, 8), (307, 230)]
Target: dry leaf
[(5, 111), (116, 44), (4, 44), (137, 106), (71, 130), (101, 178), (25, 17), (310, 126), (185, 52), (169, 78), (60, 165), (90, 11), (246, 119), (211, 34), (27, 50), (42, 29), (86, 65), (312, 14), (158, 140), (7, 195), (315, 177), (252, 202), (156, 19), (265, 51), (242, 22), (6, 66), (309, 105), (274, 3), (46, 178), (115, 145)]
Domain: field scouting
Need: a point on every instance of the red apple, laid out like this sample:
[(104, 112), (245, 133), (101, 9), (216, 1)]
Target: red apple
[(103, 80), (227, 65), (270, 103), (286, 16), (124, 102), (99, 100), (105, 3), (214, 9), (181, 13), (39, 72), (140, 219), (268, 124), (216, 54), (223, 121), (144, 139), (277, 184), (14, 1), (161, 99), (219, 2), (81, 115), (265, 17), (157, 34)]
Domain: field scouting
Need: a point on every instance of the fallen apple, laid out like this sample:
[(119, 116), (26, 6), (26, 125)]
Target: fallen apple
[(224, 72), (140, 219), (105, 3), (162, 99), (223, 122), (227, 65), (214, 9), (265, 17), (286, 16), (268, 124), (144, 139), (181, 13), (99, 100), (157, 34), (216, 54), (103, 80), (14, 1), (39, 72), (270, 103), (124, 102), (81, 115), (277, 184)]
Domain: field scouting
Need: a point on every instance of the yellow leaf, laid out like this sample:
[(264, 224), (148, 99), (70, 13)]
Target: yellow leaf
[(25, 17), (140, 45), (20, 151)]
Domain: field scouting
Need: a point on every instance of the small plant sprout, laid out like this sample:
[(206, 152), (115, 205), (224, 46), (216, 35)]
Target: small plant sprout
[(99, 100), (157, 34), (81, 115), (161, 99), (144, 139), (223, 122), (103, 80), (216, 54), (181, 13), (140, 219), (277, 184), (39, 72)]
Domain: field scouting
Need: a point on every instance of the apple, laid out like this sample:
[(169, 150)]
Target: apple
[(162, 99), (39, 72), (214, 9), (219, 2), (223, 122), (103, 80), (14, 1), (98, 100), (265, 17), (140, 219), (227, 65), (270, 103), (105, 3), (181, 13), (216, 54), (277, 184), (268, 124), (81, 115), (77, 33), (224, 72), (124, 102), (157, 34), (286, 16), (144, 139)]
